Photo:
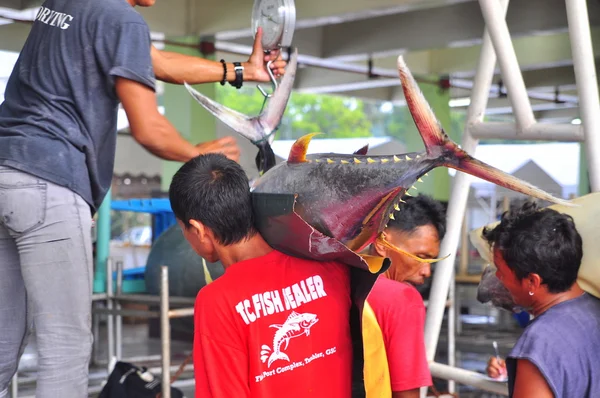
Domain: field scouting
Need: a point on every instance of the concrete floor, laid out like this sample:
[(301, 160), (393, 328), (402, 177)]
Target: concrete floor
[(136, 344), (473, 347)]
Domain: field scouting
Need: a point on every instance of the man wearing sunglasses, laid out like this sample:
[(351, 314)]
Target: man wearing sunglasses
[(394, 312)]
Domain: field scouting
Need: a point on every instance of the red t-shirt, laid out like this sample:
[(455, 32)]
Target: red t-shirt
[(400, 312), (274, 326)]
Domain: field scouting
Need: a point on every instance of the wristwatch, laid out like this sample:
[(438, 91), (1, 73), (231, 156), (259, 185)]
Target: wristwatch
[(239, 75)]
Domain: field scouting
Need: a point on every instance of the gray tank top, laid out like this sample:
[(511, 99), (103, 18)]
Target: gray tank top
[(564, 344)]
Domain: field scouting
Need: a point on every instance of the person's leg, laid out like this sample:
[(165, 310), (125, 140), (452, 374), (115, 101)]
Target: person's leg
[(13, 307), (56, 264)]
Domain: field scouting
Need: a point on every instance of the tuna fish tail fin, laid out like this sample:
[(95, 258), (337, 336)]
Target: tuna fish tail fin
[(259, 130), (277, 355), (439, 145)]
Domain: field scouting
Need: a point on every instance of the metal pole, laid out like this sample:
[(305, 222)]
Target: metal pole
[(102, 242), (458, 199), (165, 332), (537, 131), (463, 268), (495, 20), (119, 318), (536, 95), (452, 330), (181, 312), (14, 386), (467, 377), (122, 312), (110, 318), (144, 298), (335, 65), (587, 84)]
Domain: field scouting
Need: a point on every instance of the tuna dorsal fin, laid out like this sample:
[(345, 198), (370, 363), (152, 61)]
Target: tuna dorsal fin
[(298, 151), (362, 151), (429, 127)]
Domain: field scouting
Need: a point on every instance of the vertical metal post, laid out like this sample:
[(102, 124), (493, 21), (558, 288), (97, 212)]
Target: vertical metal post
[(495, 20), (102, 242), (165, 332), (458, 198), (110, 318), (119, 318), (463, 268), (587, 85), (14, 386), (452, 330), (453, 320)]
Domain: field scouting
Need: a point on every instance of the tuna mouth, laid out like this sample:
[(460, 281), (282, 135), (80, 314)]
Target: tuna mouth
[(394, 210)]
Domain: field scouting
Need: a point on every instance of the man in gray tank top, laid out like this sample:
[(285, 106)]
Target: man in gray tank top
[(538, 253), (57, 148)]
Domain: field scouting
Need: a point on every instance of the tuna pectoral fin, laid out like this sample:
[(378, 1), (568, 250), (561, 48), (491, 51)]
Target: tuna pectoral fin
[(438, 145), (477, 168), (249, 128)]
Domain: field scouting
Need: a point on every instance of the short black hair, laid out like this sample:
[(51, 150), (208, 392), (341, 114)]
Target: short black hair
[(418, 211), (540, 241), (214, 191)]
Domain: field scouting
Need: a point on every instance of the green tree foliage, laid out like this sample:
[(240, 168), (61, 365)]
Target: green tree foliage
[(335, 116)]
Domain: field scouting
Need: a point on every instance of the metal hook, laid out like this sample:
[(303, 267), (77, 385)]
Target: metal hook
[(273, 82)]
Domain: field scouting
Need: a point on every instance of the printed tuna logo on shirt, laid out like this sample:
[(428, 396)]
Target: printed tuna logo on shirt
[(295, 325)]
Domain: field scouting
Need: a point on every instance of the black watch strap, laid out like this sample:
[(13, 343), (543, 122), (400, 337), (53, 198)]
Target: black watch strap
[(239, 75)]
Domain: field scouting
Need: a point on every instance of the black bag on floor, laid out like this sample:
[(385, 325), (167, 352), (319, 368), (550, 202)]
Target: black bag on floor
[(130, 381)]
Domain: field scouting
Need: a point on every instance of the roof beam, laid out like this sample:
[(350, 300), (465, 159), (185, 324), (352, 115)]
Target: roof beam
[(20, 4), (545, 61), (450, 26), (352, 16), (13, 36), (209, 17)]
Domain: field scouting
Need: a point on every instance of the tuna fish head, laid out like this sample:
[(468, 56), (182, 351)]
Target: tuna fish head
[(260, 130), (331, 206)]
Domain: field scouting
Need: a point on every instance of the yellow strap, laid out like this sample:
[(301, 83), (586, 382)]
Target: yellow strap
[(387, 244)]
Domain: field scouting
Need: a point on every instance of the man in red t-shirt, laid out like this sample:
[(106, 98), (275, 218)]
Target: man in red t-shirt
[(395, 305), (272, 325)]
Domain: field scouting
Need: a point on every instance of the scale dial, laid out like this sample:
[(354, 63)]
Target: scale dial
[(277, 19)]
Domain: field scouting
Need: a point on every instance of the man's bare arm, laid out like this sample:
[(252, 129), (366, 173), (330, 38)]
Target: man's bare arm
[(177, 68), (155, 133), (406, 394), (172, 67), (529, 381)]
